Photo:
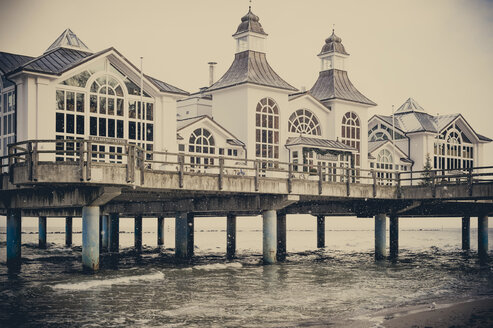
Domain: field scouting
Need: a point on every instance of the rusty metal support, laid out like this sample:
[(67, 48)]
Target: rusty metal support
[(466, 233), (90, 238), (320, 231), (230, 236), (281, 236), (269, 236), (42, 232)]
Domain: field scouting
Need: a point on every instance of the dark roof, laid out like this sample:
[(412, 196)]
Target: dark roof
[(9, 62), (251, 67), (333, 44), (335, 84), (410, 105), (60, 60), (55, 62), (319, 143), (483, 138), (166, 87), (250, 23)]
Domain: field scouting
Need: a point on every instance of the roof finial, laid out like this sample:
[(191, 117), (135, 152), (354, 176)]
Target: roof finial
[(250, 6), (333, 28)]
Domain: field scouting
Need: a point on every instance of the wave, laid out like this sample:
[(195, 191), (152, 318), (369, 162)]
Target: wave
[(218, 266), (91, 284)]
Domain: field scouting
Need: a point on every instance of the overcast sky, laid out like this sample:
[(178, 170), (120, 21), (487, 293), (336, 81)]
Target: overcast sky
[(438, 52)]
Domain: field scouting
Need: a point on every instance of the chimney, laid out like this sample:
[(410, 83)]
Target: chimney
[(211, 72)]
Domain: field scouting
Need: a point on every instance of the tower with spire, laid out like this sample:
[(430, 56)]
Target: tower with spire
[(249, 85), (348, 106)]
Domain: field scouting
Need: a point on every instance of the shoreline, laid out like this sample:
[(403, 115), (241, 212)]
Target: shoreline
[(473, 313)]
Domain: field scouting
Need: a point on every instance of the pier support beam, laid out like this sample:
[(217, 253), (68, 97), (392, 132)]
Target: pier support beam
[(281, 236), (114, 232), (230, 236), (380, 236), (42, 231), (68, 231), (184, 235), (160, 231), (483, 236), (394, 237), (14, 228), (138, 233), (320, 231), (90, 238), (105, 234), (269, 240), (466, 233)]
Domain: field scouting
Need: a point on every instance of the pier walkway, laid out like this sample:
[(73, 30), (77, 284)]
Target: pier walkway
[(104, 180)]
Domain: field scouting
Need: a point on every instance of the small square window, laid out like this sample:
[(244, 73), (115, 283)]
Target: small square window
[(221, 151), (181, 147)]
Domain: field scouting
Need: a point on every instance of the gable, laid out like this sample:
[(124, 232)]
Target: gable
[(187, 126)]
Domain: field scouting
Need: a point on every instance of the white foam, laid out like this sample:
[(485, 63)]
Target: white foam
[(218, 266), (99, 283)]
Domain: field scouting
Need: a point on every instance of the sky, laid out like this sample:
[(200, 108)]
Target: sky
[(438, 52)]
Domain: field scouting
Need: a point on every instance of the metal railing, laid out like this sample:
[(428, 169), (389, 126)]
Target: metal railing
[(136, 160)]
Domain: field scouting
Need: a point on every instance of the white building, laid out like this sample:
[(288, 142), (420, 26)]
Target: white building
[(324, 126), (449, 141), (71, 92)]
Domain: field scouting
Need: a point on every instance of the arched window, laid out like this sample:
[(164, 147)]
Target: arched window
[(201, 141), (305, 122), (351, 133), (453, 150), (384, 163), (267, 129), (381, 132)]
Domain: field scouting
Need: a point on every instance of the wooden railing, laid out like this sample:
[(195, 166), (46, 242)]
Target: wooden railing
[(85, 153)]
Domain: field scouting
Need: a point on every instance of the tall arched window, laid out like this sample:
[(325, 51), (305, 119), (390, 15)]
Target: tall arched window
[(384, 163), (351, 133), (453, 150), (267, 130), (305, 122), (201, 141)]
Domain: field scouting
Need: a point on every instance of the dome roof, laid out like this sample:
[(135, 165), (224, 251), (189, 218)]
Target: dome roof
[(333, 44), (250, 23)]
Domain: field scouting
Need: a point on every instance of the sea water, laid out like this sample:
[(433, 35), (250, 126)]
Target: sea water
[(337, 286)]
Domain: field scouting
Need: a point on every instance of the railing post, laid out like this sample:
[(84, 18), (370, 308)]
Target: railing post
[(88, 160), (348, 173), (433, 184), (469, 181), (142, 165), (290, 179), (130, 163), (256, 175), (181, 162), (29, 159), (81, 144), (35, 159), (399, 194), (221, 173), (11, 163), (374, 178), (320, 178)]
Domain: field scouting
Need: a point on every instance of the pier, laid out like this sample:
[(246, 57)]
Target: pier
[(102, 187)]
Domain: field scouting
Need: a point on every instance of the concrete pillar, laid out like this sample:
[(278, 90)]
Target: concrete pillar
[(105, 235), (230, 236), (320, 231), (184, 235), (90, 238), (42, 231), (68, 231), (138, 233), (394, 237), (160, 231), (114, 232), (281, 236), (269, 240), (191, 230), (483, 236), (466, 233), (14, 228), (380, 236)]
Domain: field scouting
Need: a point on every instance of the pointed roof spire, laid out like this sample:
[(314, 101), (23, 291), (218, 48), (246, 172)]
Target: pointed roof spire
[(250, 23), (410, 105), (68, 39), (333, 44)]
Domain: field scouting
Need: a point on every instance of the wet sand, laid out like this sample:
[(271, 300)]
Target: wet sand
[(472, 314)]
